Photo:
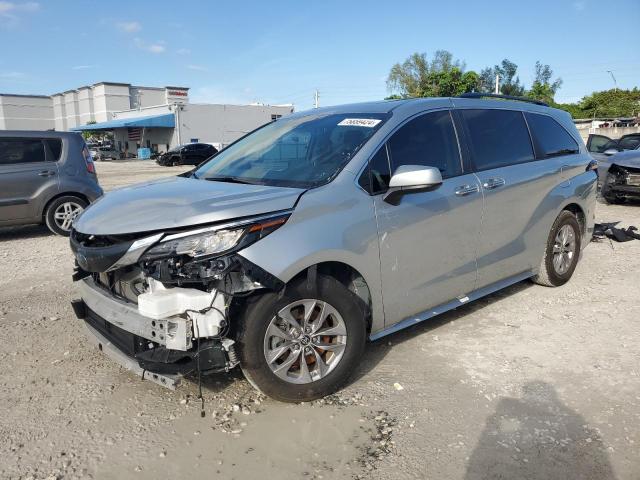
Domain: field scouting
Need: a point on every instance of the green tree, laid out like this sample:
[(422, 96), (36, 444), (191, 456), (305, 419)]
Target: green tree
[(442, 76), (543, 88), (509, 81), (87, 134)]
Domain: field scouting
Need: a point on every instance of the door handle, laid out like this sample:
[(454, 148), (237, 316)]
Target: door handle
[(492, 183), (46, 173), (464, 190)]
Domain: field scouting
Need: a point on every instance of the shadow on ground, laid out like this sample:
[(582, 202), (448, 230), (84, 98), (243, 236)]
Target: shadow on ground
[(537, 437)]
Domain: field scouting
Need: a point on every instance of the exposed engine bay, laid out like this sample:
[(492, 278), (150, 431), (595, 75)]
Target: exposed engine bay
[(164, 299)]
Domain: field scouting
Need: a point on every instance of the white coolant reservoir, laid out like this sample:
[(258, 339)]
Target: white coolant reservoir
[(160, 302)]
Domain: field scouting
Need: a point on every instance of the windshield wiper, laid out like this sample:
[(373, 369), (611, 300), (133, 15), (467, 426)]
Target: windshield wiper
[(232, 180)]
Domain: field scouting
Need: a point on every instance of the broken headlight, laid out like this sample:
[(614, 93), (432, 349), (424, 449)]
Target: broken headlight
[(212, 242)]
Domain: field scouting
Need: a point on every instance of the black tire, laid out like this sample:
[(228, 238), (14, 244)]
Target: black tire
[(54, 205), (548, 276), (259, 312)]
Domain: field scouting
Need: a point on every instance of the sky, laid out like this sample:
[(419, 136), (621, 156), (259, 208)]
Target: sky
[(281, 51)]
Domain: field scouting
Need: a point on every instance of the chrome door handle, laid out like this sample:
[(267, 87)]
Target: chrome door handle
[(47, 173), (463, 190), (493, 183)]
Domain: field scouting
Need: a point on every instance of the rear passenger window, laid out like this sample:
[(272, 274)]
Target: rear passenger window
[(55, 147), (429, 140), (552, 140), (21, 150), (498, 138), (375, 179)]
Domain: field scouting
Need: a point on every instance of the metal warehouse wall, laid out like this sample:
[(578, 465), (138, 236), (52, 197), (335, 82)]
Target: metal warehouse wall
[(224, 123)]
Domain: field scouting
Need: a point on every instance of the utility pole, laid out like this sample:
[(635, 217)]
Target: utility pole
[(497, 84), (615, 83), (316, 99)]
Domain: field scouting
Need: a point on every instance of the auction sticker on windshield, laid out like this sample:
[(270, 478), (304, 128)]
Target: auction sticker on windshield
[(360, 122)]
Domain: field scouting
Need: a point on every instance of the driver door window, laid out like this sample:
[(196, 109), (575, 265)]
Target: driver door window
[(429, 140)]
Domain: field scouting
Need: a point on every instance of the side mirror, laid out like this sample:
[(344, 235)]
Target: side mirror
[(411, 178), (610, 151)]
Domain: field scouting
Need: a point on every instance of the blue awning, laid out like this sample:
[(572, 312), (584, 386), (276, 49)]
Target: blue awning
[(166, 120)]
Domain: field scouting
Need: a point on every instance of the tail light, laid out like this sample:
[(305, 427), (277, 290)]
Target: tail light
[(91, 168)]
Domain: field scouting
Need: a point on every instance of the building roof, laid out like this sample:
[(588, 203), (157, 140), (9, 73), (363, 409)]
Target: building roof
[(166, 120)]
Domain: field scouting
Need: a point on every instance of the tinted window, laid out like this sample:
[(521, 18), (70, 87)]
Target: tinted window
[(55, 147), (375, 179), (498, 138), (599, 143), (21, 150), (428, 140), (629, 143), (552, 139)]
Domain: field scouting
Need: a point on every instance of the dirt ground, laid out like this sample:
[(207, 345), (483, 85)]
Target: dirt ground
[(529, 383)]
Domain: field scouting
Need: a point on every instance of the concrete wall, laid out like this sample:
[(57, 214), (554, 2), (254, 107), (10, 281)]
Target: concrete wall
[(26, 112), (611, 132)]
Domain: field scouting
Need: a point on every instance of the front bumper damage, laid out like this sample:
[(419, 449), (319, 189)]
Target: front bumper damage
[(139, 343), (165, 316), (623, 182)]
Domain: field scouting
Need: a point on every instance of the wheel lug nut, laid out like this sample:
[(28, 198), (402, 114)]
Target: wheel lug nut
[(316, 339), (307, 350), (307, 330)]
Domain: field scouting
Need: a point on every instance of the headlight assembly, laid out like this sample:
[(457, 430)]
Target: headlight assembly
[(213, 241)]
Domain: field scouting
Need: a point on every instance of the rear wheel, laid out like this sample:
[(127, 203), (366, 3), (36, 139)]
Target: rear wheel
[(562, 252), (61, 213), (304, 344)]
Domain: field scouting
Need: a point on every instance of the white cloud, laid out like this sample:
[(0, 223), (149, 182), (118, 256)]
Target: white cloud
[(579, 5), (157, 47), (129, 27), (10, 11), (198, 68), (183, 51)]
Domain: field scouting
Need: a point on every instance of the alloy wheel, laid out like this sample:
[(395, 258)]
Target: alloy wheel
[(564, 249), (66, 213), (305, 341)]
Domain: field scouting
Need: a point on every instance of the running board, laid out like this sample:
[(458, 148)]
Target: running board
[(445, 307)]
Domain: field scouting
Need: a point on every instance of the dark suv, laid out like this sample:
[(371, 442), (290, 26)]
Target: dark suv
[(45, 177), (189, 154)]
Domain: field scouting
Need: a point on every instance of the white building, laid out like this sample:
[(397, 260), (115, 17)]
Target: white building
[(159, 118)]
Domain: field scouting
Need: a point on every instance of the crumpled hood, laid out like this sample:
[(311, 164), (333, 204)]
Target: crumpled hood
[(628, 158), (180, 202)]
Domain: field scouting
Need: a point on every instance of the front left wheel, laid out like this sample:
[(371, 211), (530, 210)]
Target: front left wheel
[(305, 344)]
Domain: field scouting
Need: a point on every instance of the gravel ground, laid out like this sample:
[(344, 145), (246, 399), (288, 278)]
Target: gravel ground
[(531, 383)]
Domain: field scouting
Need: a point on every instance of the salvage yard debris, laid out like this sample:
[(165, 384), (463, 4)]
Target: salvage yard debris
[(610, 231)]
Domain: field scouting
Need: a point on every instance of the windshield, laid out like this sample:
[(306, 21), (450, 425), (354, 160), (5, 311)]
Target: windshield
[(302, 152)]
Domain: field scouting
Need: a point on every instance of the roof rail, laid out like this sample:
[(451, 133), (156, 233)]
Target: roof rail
[(504, 97)]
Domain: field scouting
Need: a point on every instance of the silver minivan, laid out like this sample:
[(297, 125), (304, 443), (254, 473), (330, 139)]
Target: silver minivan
[(289, 249)]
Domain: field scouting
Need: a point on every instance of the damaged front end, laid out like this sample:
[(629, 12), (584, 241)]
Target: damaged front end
[(622, 182), (160, 303)]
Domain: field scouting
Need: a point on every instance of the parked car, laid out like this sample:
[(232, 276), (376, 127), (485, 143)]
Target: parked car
[(602, 146), (190, 154), (619, 176), (106, 153), (276, 255), (45, 177)]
